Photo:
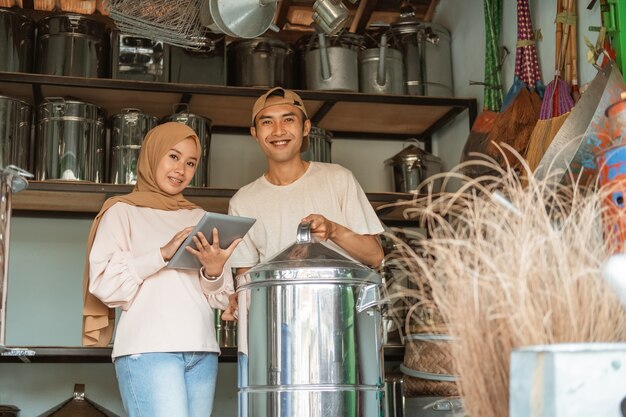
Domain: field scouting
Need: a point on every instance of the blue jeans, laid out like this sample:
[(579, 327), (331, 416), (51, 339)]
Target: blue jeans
[(177, 384)]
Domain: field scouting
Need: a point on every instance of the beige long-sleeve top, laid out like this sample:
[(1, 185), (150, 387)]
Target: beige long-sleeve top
[(163, 310)]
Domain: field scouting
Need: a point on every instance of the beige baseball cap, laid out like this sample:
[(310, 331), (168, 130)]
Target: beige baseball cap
[(288, 97)]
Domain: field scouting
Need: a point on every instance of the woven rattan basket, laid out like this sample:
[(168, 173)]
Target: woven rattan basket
[(428, 366)]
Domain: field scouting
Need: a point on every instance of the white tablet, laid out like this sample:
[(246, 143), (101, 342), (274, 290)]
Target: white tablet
[(228, 227)]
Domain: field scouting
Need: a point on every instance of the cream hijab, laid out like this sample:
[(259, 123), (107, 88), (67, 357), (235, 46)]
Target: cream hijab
[(98, 319)]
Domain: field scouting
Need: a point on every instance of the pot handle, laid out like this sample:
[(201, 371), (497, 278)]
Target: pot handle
[(381, 77), (304, 233), (326, 70)]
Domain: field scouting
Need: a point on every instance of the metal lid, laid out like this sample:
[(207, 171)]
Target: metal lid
[(309, 261), (261, 40), (77, 406), (412, 153), (318, 132)]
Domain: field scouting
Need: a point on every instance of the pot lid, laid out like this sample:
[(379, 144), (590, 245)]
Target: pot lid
[(78, 406), (410, 152), (310, 259)]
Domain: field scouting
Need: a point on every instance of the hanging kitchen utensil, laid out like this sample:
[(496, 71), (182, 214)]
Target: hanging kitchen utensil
[(477, 140), (78, 406), (585, 132), (240, 19), (329, 15), (557, 100), (522, 103)]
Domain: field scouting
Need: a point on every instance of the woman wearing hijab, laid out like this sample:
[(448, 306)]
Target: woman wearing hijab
[(165, 350)]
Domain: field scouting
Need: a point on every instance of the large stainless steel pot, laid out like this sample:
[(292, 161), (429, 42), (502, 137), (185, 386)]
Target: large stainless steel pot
[(320, 142), (411, 167), (381, 70), (260, 62), (128, 129), (202, 126), (310, 335), (15, 124), (136, 58), (427, 58), (70, 140), (72, 45), (332, 62), (200, 66), (17, 38), (12, 180)]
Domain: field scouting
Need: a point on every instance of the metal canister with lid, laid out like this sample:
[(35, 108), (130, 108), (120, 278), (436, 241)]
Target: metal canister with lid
[(15, 124), (320, 142), (17, 38), (128, 129), (411, 167), (260, 62), (70, 140)]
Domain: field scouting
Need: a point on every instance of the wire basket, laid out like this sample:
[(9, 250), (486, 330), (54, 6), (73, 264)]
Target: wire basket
[(174, 22)]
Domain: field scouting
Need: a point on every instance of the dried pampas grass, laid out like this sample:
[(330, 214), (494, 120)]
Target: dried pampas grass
[(509, 263)]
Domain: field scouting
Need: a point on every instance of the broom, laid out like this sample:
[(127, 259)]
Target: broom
[(522, 104), (477, 140), (557, 101)]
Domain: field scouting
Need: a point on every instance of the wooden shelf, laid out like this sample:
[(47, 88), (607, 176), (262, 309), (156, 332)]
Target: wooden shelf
[(84, 199), (345, 114), (67, 354)]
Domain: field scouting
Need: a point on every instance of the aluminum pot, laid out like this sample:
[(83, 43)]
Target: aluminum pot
[(260, 62), (17, 38), (310, 335), (70, 140), (426, 54), (331, 62), (12, 180), (320, 142), (128, 129), (381, 70), (411, 167), (202, 126), (137, 58), (206, 65), (15, 125), (73, 45)]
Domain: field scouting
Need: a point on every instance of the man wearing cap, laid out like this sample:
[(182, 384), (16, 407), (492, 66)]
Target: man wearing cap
[(293, 190)]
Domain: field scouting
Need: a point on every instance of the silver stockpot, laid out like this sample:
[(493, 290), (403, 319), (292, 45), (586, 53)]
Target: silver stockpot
[(17, 38), (70, 140), (427, 56), (411, 167), (73, 45), (381, 70), (128, 129), (15, 124), (310, 335), (260, 62), (134, 57), (320, 142), (202, 126), (206, 65), (332, 62)]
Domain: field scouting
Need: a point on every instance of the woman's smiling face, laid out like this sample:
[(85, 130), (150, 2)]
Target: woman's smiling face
[(177, 167)]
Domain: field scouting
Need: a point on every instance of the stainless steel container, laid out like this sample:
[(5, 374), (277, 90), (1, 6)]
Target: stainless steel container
[(15, 124), (381, 69), (136, 58), (427, 56), (260, 62), (225, 330), (310, 335), (320, 142), (394, 400), (202, 126), (570, 379), (70, 140), (199, 66), (128, 129), (73, 45), (332, 62), (12, 180), (411, 167), (17, 40)]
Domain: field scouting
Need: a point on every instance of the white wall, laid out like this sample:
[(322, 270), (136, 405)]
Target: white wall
[(47, 255)]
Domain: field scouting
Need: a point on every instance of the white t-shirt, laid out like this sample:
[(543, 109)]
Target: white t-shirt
[(163, 310), (327, 189)]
